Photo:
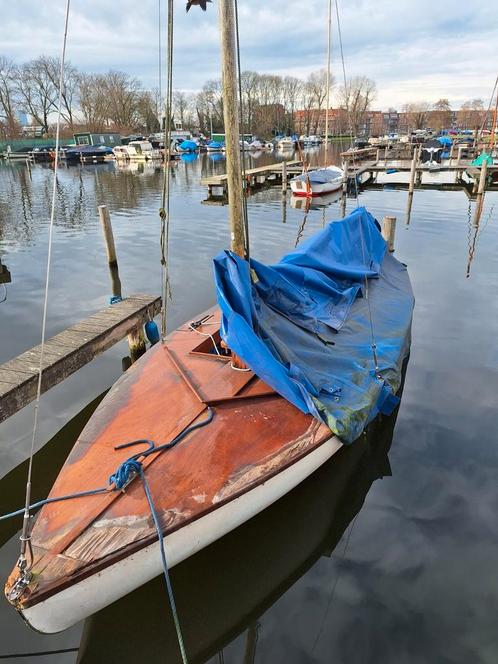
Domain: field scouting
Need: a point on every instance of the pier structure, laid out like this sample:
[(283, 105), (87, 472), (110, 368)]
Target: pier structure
[(71, 349), (363, 167)]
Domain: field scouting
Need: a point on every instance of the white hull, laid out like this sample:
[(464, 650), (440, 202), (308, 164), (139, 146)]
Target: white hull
[(101, 589)]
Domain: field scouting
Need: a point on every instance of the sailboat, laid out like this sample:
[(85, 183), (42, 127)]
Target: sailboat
[(228, 413), (328, 179), (247, 572)]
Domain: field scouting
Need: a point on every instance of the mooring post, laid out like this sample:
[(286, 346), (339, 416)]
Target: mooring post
[(110, 247), (105, 220), (284, 177), (459, 156), (377, 156), (389, 231), (413, 169), (136, 343), (480, 192)]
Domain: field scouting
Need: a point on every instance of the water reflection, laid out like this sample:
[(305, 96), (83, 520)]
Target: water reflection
[(224, 589)]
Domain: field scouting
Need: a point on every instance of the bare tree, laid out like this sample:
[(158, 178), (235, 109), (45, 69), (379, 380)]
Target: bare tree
[(123, 92), (441, 116), (356, 99), (36, 90), (93, 101), (416, 113), (7, 96), (147, 105), (181, 104), (51, 67), (471, 114)]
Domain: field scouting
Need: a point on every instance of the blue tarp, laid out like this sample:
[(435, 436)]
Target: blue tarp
[(303, 325), (188, 146)]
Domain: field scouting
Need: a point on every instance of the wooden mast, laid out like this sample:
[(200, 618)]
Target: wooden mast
[(329, 47), (232, 123)]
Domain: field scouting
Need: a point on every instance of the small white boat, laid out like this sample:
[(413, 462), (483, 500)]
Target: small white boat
[(136, 151), (244, 145), (319, 182), (285, 143)]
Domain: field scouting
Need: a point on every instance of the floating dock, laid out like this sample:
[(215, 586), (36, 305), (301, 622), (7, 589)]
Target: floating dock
[(70, 350)]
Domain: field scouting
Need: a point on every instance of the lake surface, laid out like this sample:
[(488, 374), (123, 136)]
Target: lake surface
[(389, 552)]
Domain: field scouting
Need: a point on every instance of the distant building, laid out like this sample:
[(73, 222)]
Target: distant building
[(22, 118)]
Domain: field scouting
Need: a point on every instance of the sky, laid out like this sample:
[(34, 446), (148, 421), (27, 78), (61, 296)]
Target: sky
[(413, 49)]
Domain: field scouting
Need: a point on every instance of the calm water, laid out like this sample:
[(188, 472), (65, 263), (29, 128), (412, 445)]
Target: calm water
[(349, 567)]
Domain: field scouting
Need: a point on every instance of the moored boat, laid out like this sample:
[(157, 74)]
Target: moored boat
[(137, 151), (318, 182), (247, 437)]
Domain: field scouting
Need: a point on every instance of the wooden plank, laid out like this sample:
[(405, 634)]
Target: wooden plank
[(69, 350)]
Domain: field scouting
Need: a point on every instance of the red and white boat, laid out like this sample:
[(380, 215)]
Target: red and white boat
[(319, 182)]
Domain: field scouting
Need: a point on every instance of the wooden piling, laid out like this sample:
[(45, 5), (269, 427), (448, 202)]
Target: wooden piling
[(389, 231), (136, 343), (105, 220), (284, 177), (480, 192), (459, 156), (110, 247), (412, 172)]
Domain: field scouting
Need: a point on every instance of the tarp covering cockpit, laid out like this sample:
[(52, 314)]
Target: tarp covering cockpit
[(308, 324)]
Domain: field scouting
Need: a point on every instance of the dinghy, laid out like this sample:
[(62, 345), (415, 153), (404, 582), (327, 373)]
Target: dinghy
[(318, 183), (244, 438)]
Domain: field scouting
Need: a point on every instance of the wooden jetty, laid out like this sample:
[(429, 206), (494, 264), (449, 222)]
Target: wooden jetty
[(70, 350), (271, 174)]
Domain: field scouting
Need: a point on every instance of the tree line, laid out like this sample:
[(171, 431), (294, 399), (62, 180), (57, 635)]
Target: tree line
[(271, 104), (117, 101), (114, 100)]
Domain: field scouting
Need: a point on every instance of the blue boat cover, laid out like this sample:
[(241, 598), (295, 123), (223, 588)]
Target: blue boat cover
[(304, 327), (188, 145)]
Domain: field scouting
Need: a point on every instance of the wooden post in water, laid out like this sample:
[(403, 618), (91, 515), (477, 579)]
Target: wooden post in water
[(480, 192), (232, 124), (105, 220), (413, 169), (284, 178), (136, 339), (389, 231), (459, 157)]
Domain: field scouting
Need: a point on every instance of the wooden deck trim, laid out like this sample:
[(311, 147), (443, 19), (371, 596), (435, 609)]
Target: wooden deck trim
[(70, 350)]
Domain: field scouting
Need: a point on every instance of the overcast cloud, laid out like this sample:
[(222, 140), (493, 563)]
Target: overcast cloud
[(413, 49)]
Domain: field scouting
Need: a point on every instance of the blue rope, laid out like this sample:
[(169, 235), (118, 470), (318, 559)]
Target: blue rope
[(124, 474)]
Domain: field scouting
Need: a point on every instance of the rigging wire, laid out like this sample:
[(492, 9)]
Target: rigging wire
[(25, 535), (164, 211), (367, 293), (481, 129)]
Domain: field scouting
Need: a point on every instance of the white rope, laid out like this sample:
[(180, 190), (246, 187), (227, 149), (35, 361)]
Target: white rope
[(25, 531)]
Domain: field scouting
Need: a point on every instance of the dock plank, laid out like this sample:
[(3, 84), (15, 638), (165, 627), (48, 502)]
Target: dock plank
[(70, 350)]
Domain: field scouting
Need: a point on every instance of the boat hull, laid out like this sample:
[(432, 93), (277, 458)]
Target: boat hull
[(96, 591), (299, 188)]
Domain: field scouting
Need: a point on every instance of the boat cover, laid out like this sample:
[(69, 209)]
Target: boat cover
[(188, 145), (320, 176), (479, 161), (303, 325)]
